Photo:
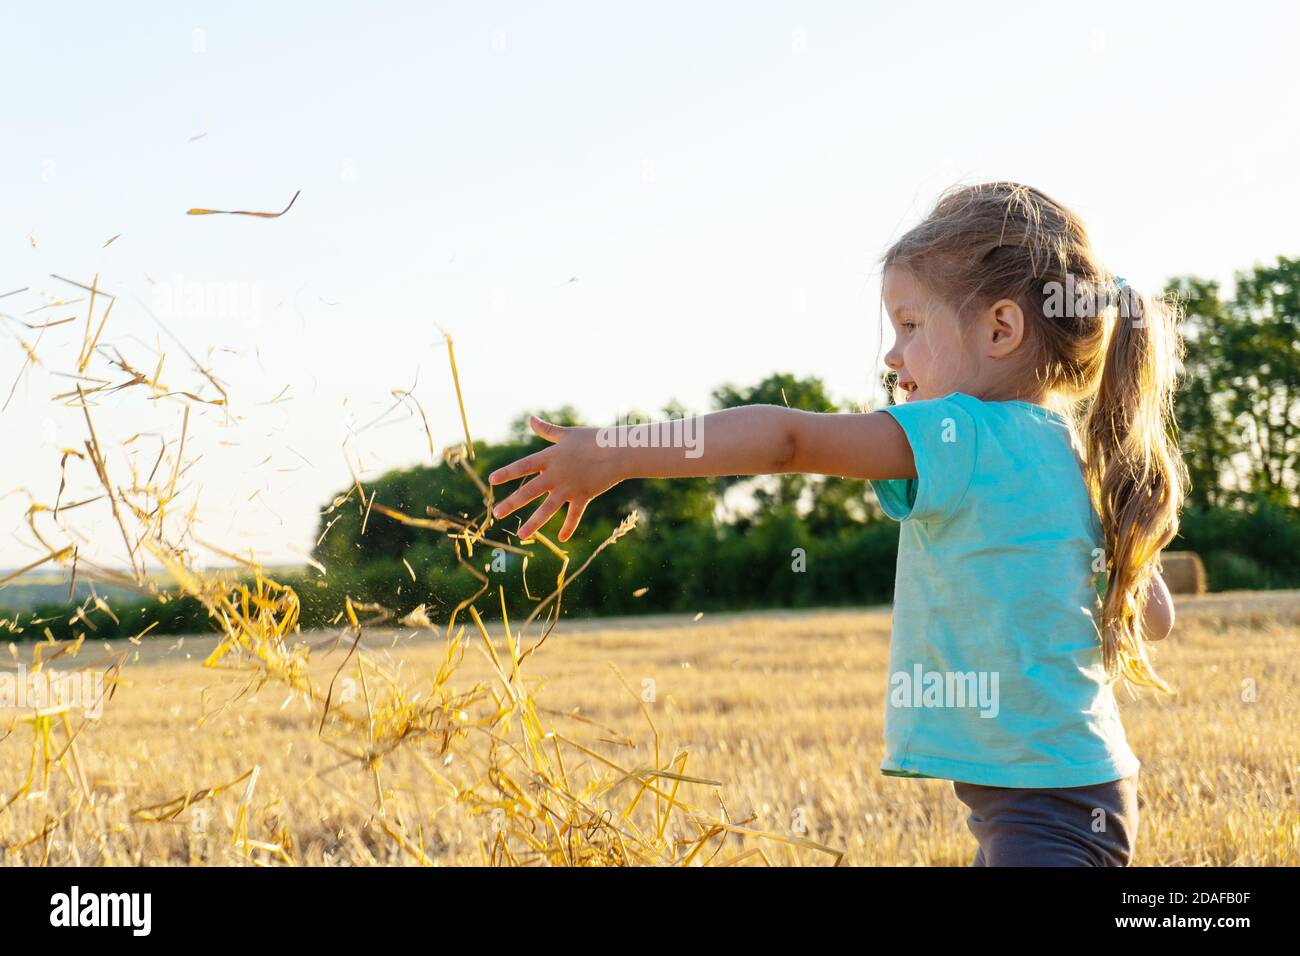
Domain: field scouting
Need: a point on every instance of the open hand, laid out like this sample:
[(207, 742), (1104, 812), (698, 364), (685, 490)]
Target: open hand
[(573, 470)]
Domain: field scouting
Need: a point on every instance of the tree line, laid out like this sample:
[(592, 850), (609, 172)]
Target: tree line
[(800, 540)]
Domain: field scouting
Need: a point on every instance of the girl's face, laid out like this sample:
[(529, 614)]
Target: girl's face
[(930, 353)]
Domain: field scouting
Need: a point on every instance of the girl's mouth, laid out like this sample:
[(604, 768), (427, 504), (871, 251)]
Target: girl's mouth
[(908, 387)]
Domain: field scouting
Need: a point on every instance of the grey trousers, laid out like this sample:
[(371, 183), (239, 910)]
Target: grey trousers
[(1067, 826)]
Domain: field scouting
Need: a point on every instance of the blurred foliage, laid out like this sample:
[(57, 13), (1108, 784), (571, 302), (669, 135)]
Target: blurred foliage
[(1239, 400)]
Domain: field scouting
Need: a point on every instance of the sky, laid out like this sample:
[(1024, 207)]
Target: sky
[(612, 206)]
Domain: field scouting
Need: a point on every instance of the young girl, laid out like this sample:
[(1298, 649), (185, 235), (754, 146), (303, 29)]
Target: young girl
[(1014, 518)]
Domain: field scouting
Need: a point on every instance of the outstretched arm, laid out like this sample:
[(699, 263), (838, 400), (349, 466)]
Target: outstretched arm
[(751, 440)]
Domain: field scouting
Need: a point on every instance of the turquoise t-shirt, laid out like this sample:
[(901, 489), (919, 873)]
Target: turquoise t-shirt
[(995, 666)]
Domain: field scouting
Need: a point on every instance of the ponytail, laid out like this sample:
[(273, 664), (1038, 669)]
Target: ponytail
[(1135, 473)]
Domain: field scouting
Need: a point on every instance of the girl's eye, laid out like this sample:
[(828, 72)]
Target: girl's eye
[(908, 326)]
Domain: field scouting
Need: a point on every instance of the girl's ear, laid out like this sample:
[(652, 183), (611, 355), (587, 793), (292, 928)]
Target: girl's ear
[(1003, 328)]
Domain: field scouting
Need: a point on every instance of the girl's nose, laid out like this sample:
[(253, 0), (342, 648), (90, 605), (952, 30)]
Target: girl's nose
[(894, 359)]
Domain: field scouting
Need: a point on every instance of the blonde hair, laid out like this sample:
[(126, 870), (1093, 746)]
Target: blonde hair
[(1116, 361)]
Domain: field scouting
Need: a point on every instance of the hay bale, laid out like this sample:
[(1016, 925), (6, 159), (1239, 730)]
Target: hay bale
[(1183, 571)]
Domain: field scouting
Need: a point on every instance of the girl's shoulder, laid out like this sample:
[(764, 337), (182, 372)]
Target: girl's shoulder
[(1009, 453), (1008, 409)]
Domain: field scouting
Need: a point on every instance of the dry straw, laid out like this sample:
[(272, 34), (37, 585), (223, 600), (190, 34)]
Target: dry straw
[(539, 794)]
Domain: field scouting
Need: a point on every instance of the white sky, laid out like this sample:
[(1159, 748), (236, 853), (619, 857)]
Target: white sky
[(721, 179)]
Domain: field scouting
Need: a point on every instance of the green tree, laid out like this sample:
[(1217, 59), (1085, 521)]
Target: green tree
[(1239, 399), (1207, 437), (1265, 391)]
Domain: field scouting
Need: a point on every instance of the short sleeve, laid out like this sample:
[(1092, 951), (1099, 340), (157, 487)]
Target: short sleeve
[(944, 436)]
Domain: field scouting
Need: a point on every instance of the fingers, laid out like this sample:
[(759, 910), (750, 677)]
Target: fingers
[(571, 519), (552, 504), (517, 469), (545, 429), (530, 491)]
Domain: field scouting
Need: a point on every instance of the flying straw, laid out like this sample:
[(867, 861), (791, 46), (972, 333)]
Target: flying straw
[(460, 400), (241, 212)]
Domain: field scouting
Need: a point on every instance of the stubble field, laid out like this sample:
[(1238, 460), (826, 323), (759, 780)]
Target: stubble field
[(784, 710)]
